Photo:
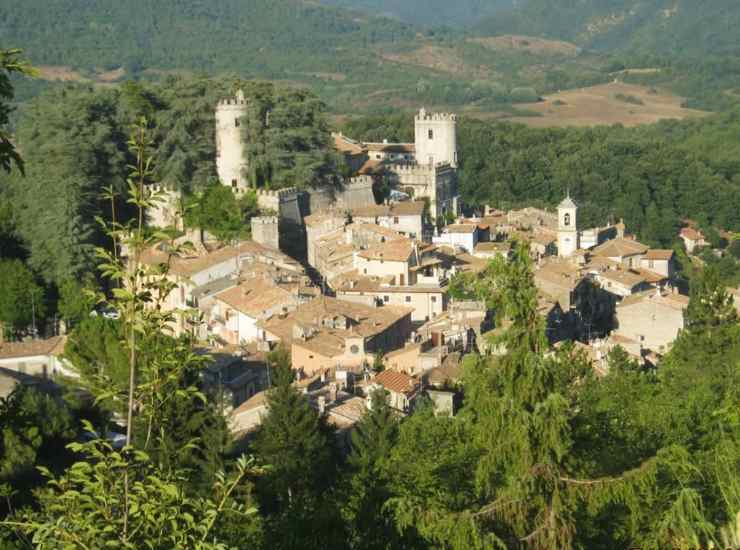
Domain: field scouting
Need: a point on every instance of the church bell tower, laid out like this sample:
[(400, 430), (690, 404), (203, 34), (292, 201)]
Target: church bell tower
[(567, 227)]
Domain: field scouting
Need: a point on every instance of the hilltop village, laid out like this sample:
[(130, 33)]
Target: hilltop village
[(360, 294)]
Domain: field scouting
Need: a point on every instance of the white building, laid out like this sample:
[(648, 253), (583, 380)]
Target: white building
[(230, 159), (567, 228), (654, 319), (463, 236)]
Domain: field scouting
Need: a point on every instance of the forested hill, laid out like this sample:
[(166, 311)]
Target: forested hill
[(254, 35), (430, 12), (682, 28)]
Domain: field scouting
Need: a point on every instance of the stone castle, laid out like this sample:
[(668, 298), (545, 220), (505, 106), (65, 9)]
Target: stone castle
[(425, 169)]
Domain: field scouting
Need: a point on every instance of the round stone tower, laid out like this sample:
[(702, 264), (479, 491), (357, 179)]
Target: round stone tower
[(567, 227), (230, 160), (436, 138)]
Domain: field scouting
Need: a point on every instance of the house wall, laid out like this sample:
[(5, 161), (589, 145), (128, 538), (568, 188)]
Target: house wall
[(383, 268), (406, 360), (466, 241), (248, 420), (409, 225), (654, 325), (43, 366)]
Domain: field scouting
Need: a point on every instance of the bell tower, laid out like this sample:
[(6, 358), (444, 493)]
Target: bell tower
[(567, 227)]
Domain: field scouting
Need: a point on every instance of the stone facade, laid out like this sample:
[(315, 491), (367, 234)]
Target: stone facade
[(265, 231), (436, 138), (230, 159)]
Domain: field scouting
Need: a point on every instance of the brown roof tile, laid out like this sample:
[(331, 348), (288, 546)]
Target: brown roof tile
[(397, 382)]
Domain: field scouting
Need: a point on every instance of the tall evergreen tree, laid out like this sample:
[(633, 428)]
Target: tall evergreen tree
[(367, 491), (299, 446)]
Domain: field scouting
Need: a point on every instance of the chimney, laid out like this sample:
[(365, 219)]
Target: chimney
[(322, 404), (332, 392)]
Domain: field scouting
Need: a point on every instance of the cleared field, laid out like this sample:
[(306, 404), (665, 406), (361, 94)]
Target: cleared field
[(606, 104), (439, 58), (61, 73), (531, 44)]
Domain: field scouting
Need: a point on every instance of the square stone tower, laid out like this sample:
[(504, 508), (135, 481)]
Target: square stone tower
[(436, 138), (230, 161)]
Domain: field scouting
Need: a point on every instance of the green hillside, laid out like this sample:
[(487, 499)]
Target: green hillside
[(429, 12), (676, 28), (258, 35)]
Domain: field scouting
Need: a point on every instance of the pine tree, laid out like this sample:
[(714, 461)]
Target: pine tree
[(300, 448), (367, 490)]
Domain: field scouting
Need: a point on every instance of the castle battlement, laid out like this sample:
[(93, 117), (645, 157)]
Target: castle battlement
[(238, 101), (264, 220), (286, 193), (419, 168), (423, 116)]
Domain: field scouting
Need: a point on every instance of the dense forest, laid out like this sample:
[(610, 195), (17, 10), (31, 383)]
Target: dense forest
[(429, 12), (369, 63)]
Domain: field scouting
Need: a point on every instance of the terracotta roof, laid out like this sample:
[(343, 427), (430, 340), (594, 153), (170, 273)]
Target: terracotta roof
[(396, 251), (347, 413), (692, 234), (559, 272), (389, 234), (369, 320), (391, 147), (624, 277), (397, 382), (657, 254), (371, 167), (186, 266), (461, 228), (406, 208), (256, 297), (52, 346), (346, 145), (618, 248), (671, 300), (256, 401)]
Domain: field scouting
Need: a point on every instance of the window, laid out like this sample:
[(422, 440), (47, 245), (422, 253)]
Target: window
[(408, 298), (434, 299), (386, 299), (431, 134), (566, 220), (365, 271), (233, 184), (237, 123), (354, 349), (395, 220), (377, 156), (651, 264)]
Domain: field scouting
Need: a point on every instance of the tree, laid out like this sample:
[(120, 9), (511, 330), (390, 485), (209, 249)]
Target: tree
[(10, 63), (367, 490), (710, 304), (295, 440), (219, 212), (77, 299), (21, 298), (129, 498)]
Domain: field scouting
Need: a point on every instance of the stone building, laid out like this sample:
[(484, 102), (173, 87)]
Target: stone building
[(425, 169), (230, 158)]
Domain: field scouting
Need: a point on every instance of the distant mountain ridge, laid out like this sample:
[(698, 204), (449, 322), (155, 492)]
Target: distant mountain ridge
[(678, 28)]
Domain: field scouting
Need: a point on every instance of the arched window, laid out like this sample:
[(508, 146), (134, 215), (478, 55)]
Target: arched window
[(566, 219), (431, 134)]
